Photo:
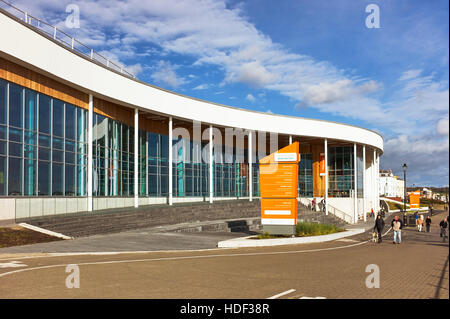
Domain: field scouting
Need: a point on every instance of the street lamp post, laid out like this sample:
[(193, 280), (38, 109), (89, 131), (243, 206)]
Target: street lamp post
[(432, 198), (404, 180)]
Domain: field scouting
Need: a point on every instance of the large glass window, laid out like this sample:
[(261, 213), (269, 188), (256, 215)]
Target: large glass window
[(15, 105), (113, 157), (360, 171), (3, 106), (15, 176), (44, 114), (58, 118), (43, 145), (340, 171), (158, 164), (57, 179), (2, 175), (230, 175), (305, 175), (44, 178)]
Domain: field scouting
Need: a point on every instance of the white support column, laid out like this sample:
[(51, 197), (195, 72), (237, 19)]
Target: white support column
[(211, 181), (364, 182), (326, 176), (136, 158), (107, 146), (250, 166), (374, 183), (146, 166), (377, 182), (355, 181), (90, 177), (170, 162), (290, 139)]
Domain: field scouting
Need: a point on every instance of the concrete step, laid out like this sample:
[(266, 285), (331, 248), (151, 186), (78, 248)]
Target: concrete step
[(86, 224), (117, 220)]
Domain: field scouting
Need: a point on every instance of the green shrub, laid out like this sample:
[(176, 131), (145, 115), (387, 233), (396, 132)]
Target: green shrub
[(313, 229)]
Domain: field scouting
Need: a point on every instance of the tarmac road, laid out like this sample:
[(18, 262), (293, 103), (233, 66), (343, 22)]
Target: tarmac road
[(417, 268)]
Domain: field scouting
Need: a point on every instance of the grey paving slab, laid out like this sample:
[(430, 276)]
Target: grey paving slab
[(138, 240)]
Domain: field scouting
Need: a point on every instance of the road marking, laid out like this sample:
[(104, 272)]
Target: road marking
[(284, 293), (187, 257), (12, 264), (104, 253), (347, 240)]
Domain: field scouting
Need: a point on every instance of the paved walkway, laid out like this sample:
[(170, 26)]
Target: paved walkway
[(417, 268), (150, 239)]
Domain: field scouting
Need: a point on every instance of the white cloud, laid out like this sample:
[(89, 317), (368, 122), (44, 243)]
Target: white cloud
[(201, 87), (442, 127), (165, 74), (338, 91), (254, 74), (410, 74), (134, 69), (250, 98), (426, 156)]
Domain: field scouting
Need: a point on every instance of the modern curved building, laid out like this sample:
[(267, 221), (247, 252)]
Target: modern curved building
[(79, 133)]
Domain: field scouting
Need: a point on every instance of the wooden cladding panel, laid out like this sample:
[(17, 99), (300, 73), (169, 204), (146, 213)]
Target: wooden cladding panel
[(318, 181), (20, 75), (305, 148), (114, 111)]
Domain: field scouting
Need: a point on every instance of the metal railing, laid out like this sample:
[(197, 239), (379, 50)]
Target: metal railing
[(62, 37), (331, 210)]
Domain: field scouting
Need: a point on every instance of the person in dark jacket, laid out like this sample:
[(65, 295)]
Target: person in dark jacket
[(428, 223), (443, 224), (379, 225)]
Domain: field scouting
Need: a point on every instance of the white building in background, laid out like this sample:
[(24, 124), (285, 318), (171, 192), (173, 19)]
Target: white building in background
[(428, 193), (391, 185)]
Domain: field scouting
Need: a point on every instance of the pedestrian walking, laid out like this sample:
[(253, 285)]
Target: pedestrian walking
[(379, 225), (313, 204), (420, 223), (443, 225), (428, 223), (323, 204), (397, 226)]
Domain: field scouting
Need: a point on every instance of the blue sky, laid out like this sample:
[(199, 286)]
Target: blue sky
[(313, 59)]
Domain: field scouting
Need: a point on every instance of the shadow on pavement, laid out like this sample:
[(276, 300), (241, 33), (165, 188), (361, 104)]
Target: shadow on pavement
[(441, 279)]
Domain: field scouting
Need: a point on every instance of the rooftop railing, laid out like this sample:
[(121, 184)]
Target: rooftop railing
[(62, 37)]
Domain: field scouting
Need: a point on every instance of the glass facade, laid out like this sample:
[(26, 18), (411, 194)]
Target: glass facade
[(190, 173), (340, 171), (158, 164), (305, 176), (359, 171), (230, 176), (113, 157), (42, 144), (43, 152)]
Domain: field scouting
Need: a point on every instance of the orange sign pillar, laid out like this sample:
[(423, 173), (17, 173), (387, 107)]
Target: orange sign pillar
[(414, 199), (278, 176)]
